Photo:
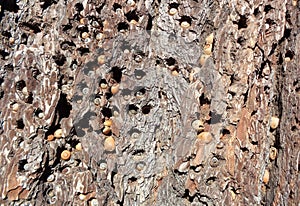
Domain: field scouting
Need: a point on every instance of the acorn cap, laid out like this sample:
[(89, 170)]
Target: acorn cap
[(65, 155), (274, 122), (107, 123), (205, 137), (109, 144), (58, 133)]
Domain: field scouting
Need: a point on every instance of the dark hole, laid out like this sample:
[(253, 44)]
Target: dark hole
[(256, 11), (6, 34), (132, 16), (24, 39), (186, 18), (141, 91), (287, 33), (173, 5), (203, 99), (35, 72), (117, 6), (268, 8), (79, 7), (37, 111), (9, 5), (21, 165), (1, 80), (9, 67), (146, 109), (4, 54), (67, 27), (187, 196), (242, 22), (59, 59), (132, 107), (123, 26), (289, 54), (102, 81), (20, 124), (108, 95), (210, 180), (47, 3), (116, 74), (132, 179), (63, 107), (33, 26), (170, 61), (240, 40), (83, 50), (225, 131), (20, 85), (106, 112), (138, 152), (29, 99), (1, 94), (149, 23), (83, 29)]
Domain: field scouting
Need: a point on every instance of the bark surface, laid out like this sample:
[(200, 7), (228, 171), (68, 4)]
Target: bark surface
[(158, 102)]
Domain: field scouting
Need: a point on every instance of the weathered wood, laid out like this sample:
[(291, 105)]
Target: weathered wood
[(125, 82)]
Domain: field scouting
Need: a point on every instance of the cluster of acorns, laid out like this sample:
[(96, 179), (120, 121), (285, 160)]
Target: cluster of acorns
[(207, 49), (109, 142), (66, 154)]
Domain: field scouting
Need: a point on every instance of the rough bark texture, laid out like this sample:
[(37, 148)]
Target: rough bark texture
[(75, 65)]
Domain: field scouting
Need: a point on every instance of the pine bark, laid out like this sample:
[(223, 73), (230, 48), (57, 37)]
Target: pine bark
[(75, 65)]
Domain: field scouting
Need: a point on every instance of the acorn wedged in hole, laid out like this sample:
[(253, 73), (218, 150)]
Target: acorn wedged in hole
[(205, 137), (65, 155), (109, 144)]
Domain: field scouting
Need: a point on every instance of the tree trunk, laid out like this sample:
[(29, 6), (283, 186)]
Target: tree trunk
[(150, 102)]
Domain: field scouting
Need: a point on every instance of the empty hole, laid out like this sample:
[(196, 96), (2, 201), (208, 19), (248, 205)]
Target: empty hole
[(123, 26), (186, 18), (132, 16), (106, 112), (268, 8), (242, 22), (29, 98), (225, 131), (116, 74), (170, 61), (146, 109), (83, 50), (149, 23), (132, 107), (173, 5), (79, 7), (59, 59), (289, 54), (20, 85), (20, 124), (117, 6)]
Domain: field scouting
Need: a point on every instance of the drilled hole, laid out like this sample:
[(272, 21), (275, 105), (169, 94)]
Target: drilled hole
[(123, 26), (146, 109)]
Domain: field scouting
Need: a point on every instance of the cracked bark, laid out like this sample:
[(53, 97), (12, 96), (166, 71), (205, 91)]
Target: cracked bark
[(152, 67)]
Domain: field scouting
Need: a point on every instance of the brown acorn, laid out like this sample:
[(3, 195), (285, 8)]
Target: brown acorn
[(205, 137), (65, 155), (109, 144)]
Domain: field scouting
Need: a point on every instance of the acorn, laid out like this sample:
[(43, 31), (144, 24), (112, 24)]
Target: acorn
[(266, 177), (210, 38), (58, 133), (78, 147), (109, 144), (15, 107), (172, 11), (101, 59), (185, 24), (84, 35), (99, 36), (207, 49), (134, 22), (106, 130), (114, 88), (274, 122), (198, 125), (203, 58), (175, 73), (82, 197), (107, 123), (273, 153), (65, 155), (103, 86), (205, 137), (50, 137)]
